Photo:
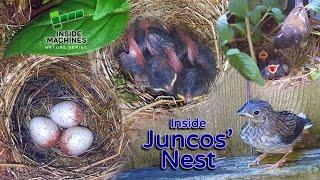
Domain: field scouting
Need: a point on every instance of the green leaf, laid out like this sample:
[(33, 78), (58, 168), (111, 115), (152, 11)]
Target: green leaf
[(271, 3), (106, 7), (245, 65), (224, 32), (277, 13), (257, 35), (239, 7), (315, 75), (262, 8), (253, 3), (32, 38), (255, 15), (241, 27), (315, 6)]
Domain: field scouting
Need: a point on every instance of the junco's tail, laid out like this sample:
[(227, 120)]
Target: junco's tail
[(307, 122)]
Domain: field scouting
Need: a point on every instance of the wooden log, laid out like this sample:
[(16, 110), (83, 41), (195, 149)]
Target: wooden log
[(299, 165)]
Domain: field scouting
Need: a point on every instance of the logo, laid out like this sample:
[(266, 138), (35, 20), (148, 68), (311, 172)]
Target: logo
[(57, 20), (65, 38)]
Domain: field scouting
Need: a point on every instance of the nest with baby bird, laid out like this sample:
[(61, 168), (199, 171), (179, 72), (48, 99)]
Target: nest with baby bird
[(194, 17), (285, 47), (303, 62), (30, 87)]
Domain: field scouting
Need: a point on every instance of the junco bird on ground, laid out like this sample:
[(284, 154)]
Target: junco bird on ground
[(270, 131)]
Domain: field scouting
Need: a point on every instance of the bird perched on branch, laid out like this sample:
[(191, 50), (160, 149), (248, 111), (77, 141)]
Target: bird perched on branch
[(295, 29), (272, 65), (270, 131)]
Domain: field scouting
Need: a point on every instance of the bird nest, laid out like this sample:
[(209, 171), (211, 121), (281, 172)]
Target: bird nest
[(199, 17), (29, 88), (303, 61)]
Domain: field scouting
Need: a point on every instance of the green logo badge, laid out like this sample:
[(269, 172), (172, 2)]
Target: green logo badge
[(57, 20)]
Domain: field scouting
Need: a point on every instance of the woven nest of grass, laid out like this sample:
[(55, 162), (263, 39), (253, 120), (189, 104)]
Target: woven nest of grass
[(199, 17), (303, 61), (29, 87)]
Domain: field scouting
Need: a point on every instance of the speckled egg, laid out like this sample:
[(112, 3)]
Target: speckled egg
[(76, 140), (44, 132), (67, 114)]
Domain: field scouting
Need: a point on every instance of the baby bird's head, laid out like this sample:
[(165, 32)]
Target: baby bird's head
[(255, 109)]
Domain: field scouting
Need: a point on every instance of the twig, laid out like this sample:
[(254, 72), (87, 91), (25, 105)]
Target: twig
[(261, 20), (11, 165), (147, 107), (249, 38)]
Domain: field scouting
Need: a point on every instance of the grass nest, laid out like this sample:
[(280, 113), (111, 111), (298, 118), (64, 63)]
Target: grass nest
[(29, 88), (199, 17), (303, 61)]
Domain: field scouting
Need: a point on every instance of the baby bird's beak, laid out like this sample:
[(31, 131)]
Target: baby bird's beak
[(242, 112)]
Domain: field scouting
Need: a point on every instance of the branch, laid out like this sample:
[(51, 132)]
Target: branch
[(249, 38)]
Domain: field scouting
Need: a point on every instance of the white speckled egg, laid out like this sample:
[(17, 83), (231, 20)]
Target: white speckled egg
[(67, 114), (44, 132), (76, 140)]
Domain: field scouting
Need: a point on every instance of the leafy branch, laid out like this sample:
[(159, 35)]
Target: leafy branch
[(245, 22)]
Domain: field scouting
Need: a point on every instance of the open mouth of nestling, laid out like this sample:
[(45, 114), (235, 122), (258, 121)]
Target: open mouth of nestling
[(272, 68)]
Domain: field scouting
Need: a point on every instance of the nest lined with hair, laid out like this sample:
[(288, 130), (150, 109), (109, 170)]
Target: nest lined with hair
[(198, 17), (30, 87)]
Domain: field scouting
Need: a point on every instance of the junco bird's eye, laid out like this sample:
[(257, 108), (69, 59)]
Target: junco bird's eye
[(256, 112)]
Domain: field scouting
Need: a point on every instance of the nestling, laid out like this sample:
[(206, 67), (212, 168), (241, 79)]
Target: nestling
[(192, 83), (160, 73), (270, 131), (295, 30), (272, 65)]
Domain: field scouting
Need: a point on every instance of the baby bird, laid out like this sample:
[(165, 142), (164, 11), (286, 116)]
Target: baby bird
[(270, 131), (192, 52), (295, 30), (134, 60), (272, 66), (192, 83), (160, 73), (160, 43)]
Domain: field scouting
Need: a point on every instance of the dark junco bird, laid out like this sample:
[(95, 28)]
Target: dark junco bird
[(160, 73), (295, 30), (272, 65), (270, 131), (192, 83)]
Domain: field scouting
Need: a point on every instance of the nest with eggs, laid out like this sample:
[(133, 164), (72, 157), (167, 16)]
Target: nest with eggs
[(197, 17), (30, 87)]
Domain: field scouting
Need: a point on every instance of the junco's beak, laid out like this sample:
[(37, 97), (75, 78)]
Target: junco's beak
[(241, 112)]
